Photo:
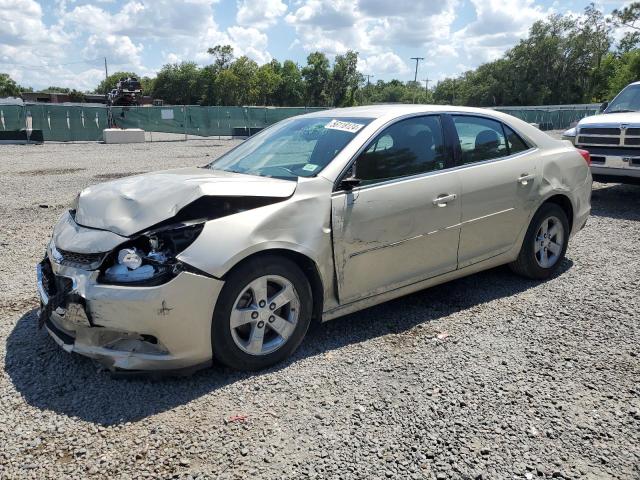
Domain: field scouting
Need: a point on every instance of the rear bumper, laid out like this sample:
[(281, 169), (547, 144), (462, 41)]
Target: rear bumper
[(165, 327)]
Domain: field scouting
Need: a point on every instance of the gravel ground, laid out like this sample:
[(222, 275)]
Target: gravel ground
[(491, 376)]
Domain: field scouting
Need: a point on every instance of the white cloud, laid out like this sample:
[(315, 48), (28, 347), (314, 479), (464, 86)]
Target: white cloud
[(140, 35), (119, 48), (371, 27), (498, 26), (384, 63), (250, 42), (260, 14)]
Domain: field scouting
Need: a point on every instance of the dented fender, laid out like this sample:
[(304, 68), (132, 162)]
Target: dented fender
[(300, 224)]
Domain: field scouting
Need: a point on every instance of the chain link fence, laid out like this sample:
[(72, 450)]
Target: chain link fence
[(69, 123)]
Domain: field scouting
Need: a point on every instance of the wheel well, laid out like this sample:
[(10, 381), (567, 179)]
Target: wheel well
[(308, 267), (565, 204)]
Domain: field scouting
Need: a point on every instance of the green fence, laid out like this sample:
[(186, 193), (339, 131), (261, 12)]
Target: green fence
[(552, 117), (65, 123)]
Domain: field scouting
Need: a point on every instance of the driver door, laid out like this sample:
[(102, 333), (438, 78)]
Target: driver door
[(402, 223)]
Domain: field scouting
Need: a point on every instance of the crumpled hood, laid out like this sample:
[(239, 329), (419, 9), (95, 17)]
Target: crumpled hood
[(611, 119), (129, 205)]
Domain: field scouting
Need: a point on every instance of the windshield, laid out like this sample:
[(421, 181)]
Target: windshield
[(628, 100), (297, 147)]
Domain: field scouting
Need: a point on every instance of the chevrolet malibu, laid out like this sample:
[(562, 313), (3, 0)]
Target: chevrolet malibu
[(313, 218)]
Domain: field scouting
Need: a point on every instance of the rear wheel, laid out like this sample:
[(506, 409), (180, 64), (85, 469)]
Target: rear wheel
[(545, 243), (262, 314)]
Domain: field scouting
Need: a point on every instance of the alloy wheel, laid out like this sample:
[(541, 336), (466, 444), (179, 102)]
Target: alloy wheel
[(265, 315), (549, 242)]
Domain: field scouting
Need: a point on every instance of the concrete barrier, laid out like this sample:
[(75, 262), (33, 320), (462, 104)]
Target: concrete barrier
[(129, 135)]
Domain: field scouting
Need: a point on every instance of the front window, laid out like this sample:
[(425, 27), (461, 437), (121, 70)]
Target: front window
[(408, 147), (628, 100), (298, 147)]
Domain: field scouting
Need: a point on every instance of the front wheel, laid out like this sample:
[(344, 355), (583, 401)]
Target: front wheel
[(262, 314), (545, 243)]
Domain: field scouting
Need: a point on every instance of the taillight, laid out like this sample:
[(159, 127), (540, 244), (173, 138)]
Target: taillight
[(586, 155)]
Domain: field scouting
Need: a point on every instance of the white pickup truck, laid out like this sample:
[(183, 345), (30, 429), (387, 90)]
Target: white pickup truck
[(612, 138)]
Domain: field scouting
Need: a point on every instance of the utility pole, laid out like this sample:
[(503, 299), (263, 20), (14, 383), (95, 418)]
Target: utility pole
[(368, 77), (426, 88), (106, 95), (417, 59), (453, 96)]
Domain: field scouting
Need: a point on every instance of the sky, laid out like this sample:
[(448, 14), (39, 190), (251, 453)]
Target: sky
[(64, 42)]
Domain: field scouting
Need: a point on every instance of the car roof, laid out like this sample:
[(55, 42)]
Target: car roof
[(391, 110), (388, 112)]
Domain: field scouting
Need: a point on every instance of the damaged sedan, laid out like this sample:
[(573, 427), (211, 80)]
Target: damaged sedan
[(313, 218)]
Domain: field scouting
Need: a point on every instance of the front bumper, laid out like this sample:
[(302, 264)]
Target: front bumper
[(165, 327), (603, 164)]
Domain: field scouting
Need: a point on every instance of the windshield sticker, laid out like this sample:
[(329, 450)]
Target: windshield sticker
[(310, 167), (344, 126)]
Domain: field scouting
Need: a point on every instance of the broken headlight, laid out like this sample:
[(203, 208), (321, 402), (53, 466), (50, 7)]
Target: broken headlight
[(150, 258)]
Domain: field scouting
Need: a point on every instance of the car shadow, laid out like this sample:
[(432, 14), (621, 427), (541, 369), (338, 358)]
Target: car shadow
[(618, 201), (50, 379)]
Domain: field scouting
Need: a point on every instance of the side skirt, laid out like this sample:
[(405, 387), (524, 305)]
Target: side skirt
[(421, 285)]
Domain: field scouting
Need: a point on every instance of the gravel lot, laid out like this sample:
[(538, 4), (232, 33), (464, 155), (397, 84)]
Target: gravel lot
[(491, 376)]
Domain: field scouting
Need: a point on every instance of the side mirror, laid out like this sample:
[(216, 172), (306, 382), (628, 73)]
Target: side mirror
[(604, 106), (349, 183)]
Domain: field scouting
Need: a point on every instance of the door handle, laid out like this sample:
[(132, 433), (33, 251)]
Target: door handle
[(442, 200), (525, 178)]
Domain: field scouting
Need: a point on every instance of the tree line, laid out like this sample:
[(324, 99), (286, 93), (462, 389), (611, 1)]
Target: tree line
[(563, 60)]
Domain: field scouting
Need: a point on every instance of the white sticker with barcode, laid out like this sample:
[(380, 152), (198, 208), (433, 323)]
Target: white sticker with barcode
[(344, 126), (310, 167)]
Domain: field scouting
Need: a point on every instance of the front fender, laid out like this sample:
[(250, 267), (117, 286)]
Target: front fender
[(300, 224)]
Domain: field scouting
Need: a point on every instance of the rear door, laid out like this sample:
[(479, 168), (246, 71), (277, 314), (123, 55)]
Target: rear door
[(401, 224), (499, 176)]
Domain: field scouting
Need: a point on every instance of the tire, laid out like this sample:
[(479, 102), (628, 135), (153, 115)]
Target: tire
[(531, 262), (248, 330)]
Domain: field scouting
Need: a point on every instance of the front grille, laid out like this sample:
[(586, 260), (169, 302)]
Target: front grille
[(599, 131), (632, 141), (599, 140), (633, 131), (87, 261)]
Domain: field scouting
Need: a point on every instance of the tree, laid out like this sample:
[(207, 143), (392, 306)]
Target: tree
[(316, 76), (624, 71), (222, 56), (109, 83), (56, 90), (266, 81), (628, 17), (291, 89), (245, 71), (345, 79), (227, 86), (8, 87), (179, 84)]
